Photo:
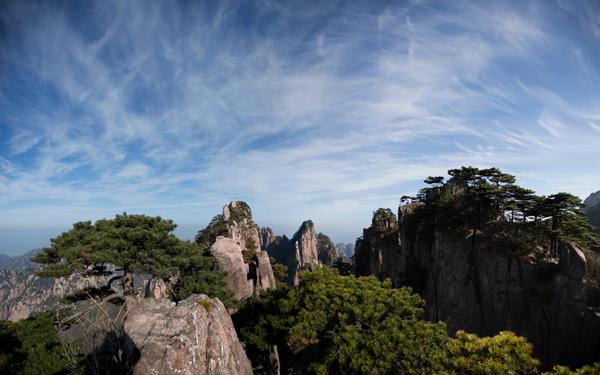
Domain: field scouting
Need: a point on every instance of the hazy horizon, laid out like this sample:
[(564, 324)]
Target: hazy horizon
[(323, 111)]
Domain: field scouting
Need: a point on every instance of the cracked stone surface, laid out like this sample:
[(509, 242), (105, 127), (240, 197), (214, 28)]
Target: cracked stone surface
[(195, 336)]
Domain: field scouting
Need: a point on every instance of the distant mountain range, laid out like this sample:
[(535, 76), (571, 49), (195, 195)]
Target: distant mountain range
[(18, 262), (345, 249)]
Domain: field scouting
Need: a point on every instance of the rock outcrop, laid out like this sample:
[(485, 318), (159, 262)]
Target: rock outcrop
[(592, 208), (327, 252), (469, 285), (247, 267), (378, 251), (304, 252), (195, 336)]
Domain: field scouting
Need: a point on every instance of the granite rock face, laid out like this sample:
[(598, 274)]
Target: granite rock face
[(304, 252), (378, 251), (248, 268), (592, 207), (195, 336), (23, 294), (470, 286), (327, 252)]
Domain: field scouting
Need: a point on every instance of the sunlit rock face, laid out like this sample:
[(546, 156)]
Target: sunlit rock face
[(248, 274), (194, 336), (304, 252)]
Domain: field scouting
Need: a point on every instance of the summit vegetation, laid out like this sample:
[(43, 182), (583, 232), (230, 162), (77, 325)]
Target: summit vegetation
[(488, 204)]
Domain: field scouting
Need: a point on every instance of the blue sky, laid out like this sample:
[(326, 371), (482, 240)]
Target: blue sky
[(321, 110)]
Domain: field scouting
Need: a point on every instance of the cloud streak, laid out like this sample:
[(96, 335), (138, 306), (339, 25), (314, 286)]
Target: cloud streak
[(304, 111)]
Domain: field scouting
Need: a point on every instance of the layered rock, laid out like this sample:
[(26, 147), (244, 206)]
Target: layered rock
[(326, 250), (469, 285), (247, 267), (304, 252), (195, 336), (378, 251)]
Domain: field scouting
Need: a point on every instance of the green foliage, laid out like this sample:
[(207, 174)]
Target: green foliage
[(487, 201), (31, 346), (249, 253), (585, 370), (346, 325), (337, 324), (280, 271), (505, 353), (198, 273), (207, 236), (136, 243)]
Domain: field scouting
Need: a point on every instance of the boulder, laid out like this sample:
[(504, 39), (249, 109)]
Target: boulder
[(228, 254), (195, 336)]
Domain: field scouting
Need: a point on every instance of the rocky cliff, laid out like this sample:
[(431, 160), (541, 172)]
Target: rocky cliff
[(304, 252), (247, 267), (592, 207), (19, 262), (23, 294), (326, 250), (470, 285), (195, 336), (378, 251)]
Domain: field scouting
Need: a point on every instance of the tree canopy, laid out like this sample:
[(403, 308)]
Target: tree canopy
[(488, 200), (347, 325), (135, 243)]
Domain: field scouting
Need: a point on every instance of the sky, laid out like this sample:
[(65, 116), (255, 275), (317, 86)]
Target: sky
[(317, 110)]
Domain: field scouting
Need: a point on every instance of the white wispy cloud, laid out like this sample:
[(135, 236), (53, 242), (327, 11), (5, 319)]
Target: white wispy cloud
[(304, 111)]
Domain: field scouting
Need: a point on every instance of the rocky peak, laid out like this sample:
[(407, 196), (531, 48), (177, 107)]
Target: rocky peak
[(593, 200), (384, 221), (327, 252), (247, 267), (304, 251), (378, 251)]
